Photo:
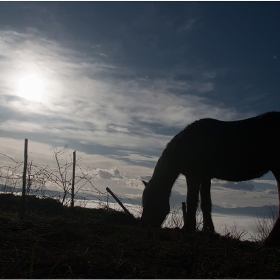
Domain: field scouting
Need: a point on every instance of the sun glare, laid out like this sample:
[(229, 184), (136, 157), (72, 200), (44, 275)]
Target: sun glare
[(31, 87)]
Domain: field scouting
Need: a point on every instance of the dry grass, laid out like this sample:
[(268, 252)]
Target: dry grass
[(99, 243), (265, 225)]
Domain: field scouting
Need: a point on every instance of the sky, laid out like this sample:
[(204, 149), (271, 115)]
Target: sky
[(115, 81)]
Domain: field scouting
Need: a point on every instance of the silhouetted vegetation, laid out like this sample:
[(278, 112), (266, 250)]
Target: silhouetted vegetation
[(46, 181), (55, 241)]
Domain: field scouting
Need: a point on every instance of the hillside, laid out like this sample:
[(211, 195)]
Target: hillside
[(53, 241)]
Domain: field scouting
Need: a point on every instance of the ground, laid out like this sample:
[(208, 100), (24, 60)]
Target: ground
[(53, 241)]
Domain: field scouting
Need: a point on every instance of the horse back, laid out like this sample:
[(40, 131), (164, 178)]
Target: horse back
[(235, 150)]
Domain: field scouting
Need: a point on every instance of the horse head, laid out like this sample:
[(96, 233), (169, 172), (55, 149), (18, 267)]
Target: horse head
[(155, 206)]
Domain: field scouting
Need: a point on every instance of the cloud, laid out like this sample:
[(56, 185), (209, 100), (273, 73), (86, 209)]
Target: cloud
[(116, 175), (270, 191), (145, 178), (118, 129), (133, 157), (238, 186), (187, 26), (100, 107), (40, 154), (77, 90), (109, 174), (177, 198), (15, 126), (261, 181), (241, 196), (117, 99), (97, 106)]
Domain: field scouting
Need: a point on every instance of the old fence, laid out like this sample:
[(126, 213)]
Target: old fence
[(69, 178)]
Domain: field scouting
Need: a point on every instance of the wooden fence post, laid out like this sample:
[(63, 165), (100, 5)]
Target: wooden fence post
[(184, 213), (73, 180), (119, 202), (24, 176)]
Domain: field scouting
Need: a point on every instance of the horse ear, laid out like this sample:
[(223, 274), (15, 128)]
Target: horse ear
[(145, 183)]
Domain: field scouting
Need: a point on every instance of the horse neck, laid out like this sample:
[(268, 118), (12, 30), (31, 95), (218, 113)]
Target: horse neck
[(165, 175)]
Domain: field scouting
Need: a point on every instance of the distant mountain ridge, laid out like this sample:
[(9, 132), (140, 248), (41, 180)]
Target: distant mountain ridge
[(259, 211)]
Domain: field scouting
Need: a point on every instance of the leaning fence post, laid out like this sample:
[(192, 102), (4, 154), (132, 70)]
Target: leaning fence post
[(184, 213), (24, 176), (73, 179), (119, 202)]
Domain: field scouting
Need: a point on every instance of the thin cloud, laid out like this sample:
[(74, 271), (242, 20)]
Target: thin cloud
[(114, 174), (87, 103), (145, 178), (270, 191), (111, 106), (136, 157), (109, 174), (188, 26), (238, 186), (270, 182)]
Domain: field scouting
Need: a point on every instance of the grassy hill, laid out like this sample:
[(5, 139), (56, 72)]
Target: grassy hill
[(53, 241)]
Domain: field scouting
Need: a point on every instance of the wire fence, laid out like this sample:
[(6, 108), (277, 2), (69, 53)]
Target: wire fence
[(67, 182)]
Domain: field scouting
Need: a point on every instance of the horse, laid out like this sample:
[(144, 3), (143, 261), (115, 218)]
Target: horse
[(209, 148)]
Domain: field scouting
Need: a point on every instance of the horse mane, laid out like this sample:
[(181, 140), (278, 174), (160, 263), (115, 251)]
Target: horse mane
[(174, 144), (171, 146)]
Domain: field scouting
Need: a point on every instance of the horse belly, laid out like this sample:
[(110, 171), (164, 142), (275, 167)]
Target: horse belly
[(239, 173), (238, 166), (229, 162)]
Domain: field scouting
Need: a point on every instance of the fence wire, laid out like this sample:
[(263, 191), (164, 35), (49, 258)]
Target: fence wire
[(47, 182)]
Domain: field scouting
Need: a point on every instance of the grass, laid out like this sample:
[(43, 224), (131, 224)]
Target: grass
[(53, 241)]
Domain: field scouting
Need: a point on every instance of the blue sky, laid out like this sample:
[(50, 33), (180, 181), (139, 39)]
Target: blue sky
[(117, 80)]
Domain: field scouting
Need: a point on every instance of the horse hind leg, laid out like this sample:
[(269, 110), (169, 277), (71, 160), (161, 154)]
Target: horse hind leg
[(274, 236), (206, 206)]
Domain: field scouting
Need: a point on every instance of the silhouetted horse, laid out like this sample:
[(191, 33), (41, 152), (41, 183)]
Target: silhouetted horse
[(208, 148)]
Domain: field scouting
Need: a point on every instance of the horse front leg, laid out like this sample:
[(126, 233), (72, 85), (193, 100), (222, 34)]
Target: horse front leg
[(192, 201), (206, 206)]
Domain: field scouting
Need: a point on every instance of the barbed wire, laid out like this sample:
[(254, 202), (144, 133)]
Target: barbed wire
[(56, 182)]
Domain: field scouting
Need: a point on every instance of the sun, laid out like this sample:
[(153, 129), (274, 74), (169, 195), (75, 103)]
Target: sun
[(31, 87)]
